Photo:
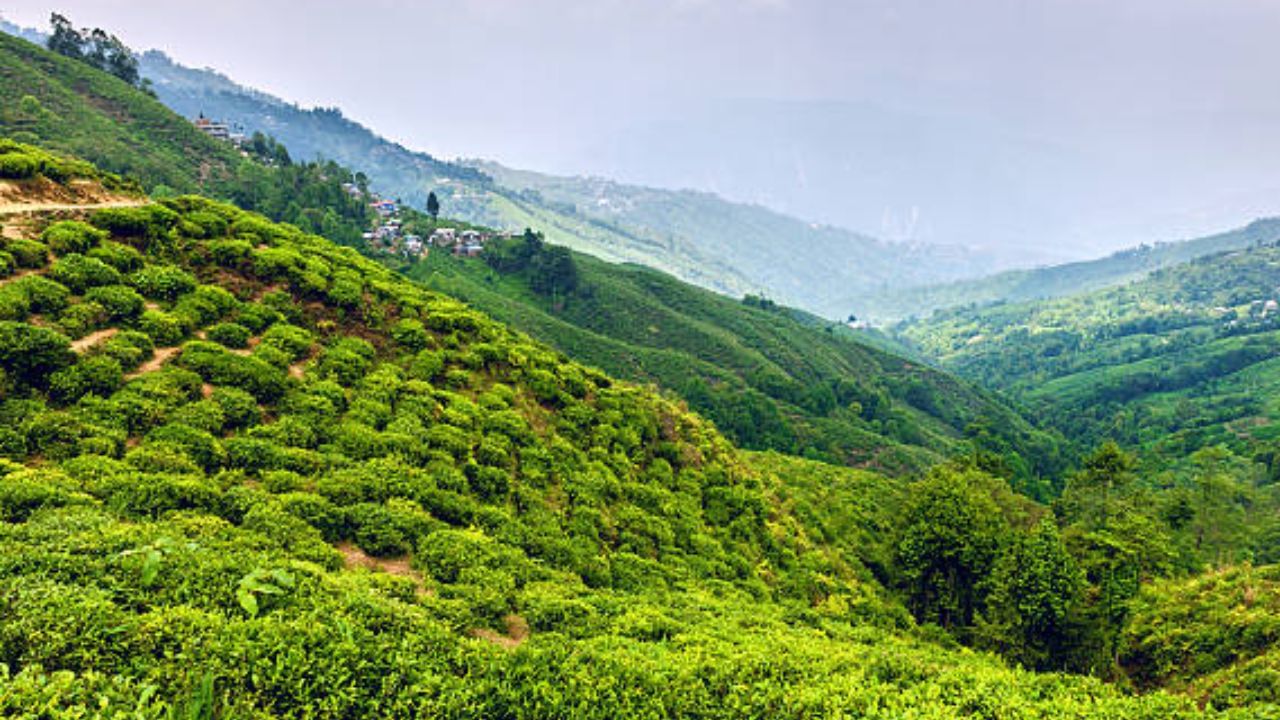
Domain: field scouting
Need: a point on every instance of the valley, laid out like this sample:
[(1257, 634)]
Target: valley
[(273, 444)]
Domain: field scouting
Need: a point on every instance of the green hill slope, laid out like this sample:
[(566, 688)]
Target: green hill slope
[(253, 474), (1215, 637), (1062, 280), (73, 108), (1181, 360), (769, 383), (764, 377), (69, 107)]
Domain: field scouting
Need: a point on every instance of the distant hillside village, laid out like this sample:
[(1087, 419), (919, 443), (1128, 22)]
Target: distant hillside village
[(388, 234)]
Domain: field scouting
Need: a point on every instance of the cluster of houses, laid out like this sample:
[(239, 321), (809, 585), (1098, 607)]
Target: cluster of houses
[(467, 243), (389, 236)]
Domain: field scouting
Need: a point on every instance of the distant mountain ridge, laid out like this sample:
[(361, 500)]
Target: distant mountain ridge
[(1054, 281), (729, 247)]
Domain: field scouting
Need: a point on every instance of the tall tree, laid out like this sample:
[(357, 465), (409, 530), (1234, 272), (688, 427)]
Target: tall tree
[(1036, 591), (433, 205), (65, 39), (952, 533), (1117, 541)]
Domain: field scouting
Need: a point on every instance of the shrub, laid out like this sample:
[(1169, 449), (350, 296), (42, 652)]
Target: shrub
[(257, 317), (229, 253), (282, 481), (42, 294), (220, 367), (81, 319), (204, 224), (239, 407), (164, 329), (203, 415), (253, 454), (28, 253), (129, 347), (79, 272), (100, 375), (346, 360), (219, 299), (199, 445), (55, 435), (272, 356), (290, 338), (119, 256), (490, 484), (277, 263), (163, 282), (410, 334), (169, 481), (148, 222), (317, 512), (376, 531), (121, 303), (28, 354), (230, 335), (18, 166), (72, 236)]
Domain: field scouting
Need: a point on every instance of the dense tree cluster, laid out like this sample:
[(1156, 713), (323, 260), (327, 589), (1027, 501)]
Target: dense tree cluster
[(95, 47)]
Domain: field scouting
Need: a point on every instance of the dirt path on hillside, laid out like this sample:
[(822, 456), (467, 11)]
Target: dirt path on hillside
[(155, 363), (92, 339), (20, 208), (18, 276)]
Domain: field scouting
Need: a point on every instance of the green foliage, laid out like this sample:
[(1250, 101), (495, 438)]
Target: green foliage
[(72, 236), (121, 303), (1037, 591), (162, 282), (1174, 362), (765, 378), (28, 253), (952, 534), (79, 273), (230, 335), (28, 354), (1216, 636), (169, 542)]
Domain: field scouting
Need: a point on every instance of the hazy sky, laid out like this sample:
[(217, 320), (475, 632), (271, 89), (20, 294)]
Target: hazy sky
[(1068, 126)]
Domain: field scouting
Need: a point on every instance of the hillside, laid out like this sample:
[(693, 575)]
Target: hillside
[(767, 380), (1181, 360), (698, 237), (73, 108), (252, 474), (1061, 280), (828, 270), (70, 107)]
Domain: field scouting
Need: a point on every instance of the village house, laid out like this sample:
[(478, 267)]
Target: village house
[(444, 237), (468, 249), (213, 128), (414, 247)]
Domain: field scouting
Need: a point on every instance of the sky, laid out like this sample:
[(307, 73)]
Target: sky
[(1045, 129)]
